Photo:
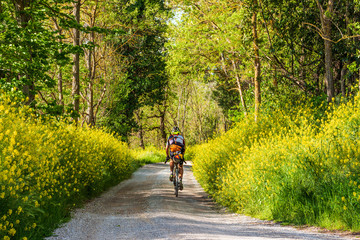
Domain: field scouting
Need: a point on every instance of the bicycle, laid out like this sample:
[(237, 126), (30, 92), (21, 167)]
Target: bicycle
[(177, 158)]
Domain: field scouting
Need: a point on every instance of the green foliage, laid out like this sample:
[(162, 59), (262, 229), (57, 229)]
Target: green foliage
[(142, 50), (149, 74), (149, 155), (213, 36), (28, 47)]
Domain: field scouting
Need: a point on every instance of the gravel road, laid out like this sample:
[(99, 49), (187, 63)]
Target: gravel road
[(144, 207)]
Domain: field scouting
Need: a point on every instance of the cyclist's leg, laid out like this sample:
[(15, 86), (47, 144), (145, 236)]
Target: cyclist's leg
[(171, 169), (181, 173), (171, 165), (171, 161), (181, 170)]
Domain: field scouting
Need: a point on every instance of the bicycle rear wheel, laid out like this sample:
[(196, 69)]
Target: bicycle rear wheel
[(176, 182)]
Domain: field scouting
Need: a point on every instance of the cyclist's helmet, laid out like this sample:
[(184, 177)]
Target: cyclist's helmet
[(175, 130)]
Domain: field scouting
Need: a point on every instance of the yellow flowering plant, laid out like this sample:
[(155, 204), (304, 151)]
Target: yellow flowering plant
[(290, 166), (48, 166)]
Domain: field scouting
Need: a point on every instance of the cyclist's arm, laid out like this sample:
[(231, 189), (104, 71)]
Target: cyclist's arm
[(167, 149), (184, 146)]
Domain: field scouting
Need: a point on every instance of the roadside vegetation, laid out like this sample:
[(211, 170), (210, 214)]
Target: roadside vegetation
[(296, 166), (148, 155), (216, 69), (48, 167)]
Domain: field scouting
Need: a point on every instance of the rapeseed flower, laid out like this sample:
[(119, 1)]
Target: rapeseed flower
[(38, 158), (287, 161)]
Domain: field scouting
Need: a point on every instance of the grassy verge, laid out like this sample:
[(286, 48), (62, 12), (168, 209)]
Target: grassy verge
[(290, 166), (48, 167), (148, 155)]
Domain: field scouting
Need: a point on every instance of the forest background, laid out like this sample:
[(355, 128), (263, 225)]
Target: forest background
[(257, 73), (141, 67)]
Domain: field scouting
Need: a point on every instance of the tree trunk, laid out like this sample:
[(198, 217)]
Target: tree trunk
[(60, 87), (76, 58), (344, 69), (225, 123), (302, 62), (239, 87), (90, 103), (342, 80), (90, 92), (162, 128), (257, 73), (140, 131), (330, 91), (326, 29), (23, 19), (92, 66), (60, 75), (179, 107), (182, 117), (141, 137)]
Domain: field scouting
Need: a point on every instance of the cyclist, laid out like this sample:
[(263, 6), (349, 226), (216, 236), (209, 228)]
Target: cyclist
[(175, 142)]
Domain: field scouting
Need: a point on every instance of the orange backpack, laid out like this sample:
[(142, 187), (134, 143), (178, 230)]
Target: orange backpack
[(175, 148)]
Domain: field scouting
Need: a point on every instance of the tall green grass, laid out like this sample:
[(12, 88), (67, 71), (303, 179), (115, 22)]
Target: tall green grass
[(289, 166), (148, 155)]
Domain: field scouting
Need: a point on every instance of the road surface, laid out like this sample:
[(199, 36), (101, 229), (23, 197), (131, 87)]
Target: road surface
[(144, 207)]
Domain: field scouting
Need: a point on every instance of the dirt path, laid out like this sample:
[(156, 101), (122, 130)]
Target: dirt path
[(144, 207)]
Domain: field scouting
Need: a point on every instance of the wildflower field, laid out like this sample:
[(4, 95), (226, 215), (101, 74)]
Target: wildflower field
[(48, 167), (292, 166)]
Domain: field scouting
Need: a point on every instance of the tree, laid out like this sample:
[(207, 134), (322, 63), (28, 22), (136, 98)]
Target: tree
[(29, 46), (325, 18), (76, 59), (142, 49), (224, 35), (257, 70), (23, 17)]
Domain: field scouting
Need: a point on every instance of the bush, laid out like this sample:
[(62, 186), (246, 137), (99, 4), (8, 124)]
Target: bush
[(48, 167), (290, 166)]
